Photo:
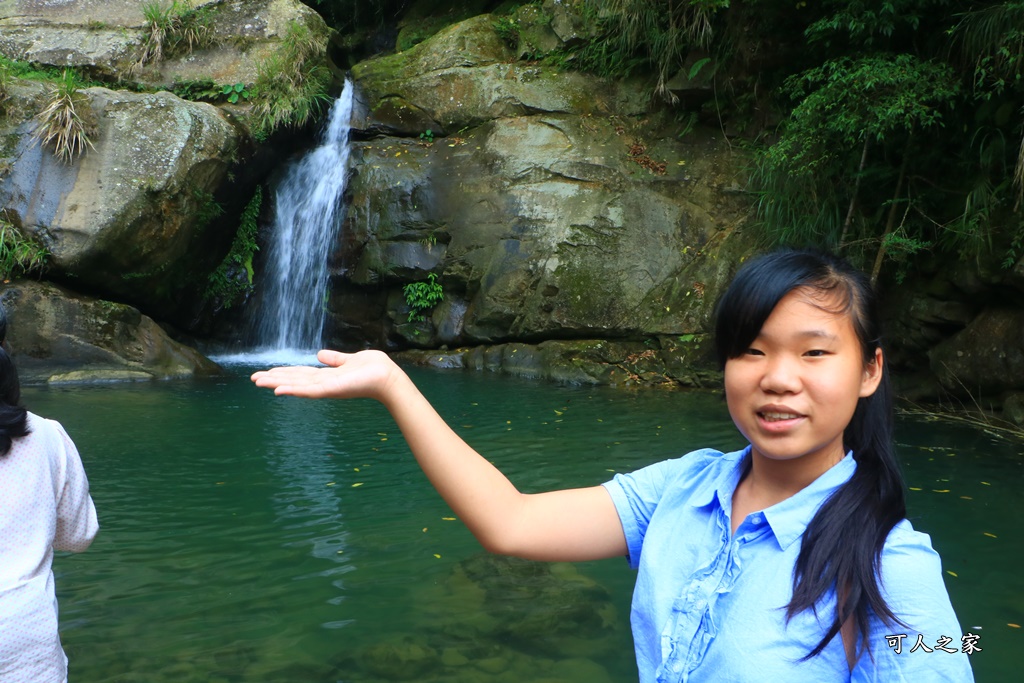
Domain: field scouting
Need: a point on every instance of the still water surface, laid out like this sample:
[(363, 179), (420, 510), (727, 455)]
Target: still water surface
[(258, 539)]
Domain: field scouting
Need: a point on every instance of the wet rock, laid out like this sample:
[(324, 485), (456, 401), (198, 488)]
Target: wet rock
[(58, 336), (986, 358), (133, 219)]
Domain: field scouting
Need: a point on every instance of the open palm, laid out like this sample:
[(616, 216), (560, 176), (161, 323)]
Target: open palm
[(366, 374)]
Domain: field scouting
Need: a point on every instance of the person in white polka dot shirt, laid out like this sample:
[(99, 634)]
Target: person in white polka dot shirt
[(44, 506)]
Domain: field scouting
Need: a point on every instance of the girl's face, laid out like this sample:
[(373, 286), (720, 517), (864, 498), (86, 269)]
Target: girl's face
[(795, 389)]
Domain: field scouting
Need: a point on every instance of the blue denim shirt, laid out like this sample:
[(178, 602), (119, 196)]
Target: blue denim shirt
[(709, 605)]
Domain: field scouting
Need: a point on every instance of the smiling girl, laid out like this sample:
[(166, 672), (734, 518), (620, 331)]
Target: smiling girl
[(790, 560)]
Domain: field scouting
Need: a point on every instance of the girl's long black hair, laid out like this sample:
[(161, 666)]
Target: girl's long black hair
[(842, 546), (13, 417)]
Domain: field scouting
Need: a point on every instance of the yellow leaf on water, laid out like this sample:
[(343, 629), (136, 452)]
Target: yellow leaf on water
[(424, 529), (448, 519), (966, 497), (437, 556), (355, 469), (986, 483), (558, 412), (941, 490), (358, 483), (991, 535), (330, 483), (915, 488), (951, 573), (1014, 625)]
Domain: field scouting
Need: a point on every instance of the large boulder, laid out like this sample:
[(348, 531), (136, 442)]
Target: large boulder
[(58, 336), (466, 76), (134, 218), (985, 359), (107, 39)]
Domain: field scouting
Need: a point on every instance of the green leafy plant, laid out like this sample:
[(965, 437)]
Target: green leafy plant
[(62, 124), (235, 92), (19, 255), (422, 296), (232, 280), (427, 136), (197, 90)]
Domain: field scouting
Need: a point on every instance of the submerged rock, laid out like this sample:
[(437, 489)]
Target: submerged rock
[(402, 660)]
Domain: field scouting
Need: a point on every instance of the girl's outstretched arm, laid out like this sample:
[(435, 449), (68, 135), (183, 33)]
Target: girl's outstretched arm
[(569, 525)]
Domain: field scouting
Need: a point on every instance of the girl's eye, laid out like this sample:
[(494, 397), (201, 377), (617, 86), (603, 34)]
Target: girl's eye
[(816, 353), (754, 352)]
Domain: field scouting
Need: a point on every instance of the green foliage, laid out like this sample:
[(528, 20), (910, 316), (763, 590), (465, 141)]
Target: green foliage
[(650, 33), (232, 280), (422, 296), (427, 136), (507, 29), (197, 90), (19, 255), (62, 124), (16, 69), (6, 78), (205, 90), (235, 92), (291, 87), (842, 153), (867, 23), (207, 207)]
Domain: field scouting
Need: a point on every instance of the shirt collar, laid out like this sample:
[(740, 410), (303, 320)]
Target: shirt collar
[(721, 486), (789, 518)]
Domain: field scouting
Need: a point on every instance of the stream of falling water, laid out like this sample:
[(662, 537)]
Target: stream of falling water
[(308, 210)]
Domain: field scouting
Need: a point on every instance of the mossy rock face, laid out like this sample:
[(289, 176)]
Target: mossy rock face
[(545, 226), (466, 76), (425, 18), (58, 336)]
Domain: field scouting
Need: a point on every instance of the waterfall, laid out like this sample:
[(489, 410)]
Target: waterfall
[(308, 211)]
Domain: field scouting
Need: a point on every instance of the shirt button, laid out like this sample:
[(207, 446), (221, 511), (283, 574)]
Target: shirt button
[(756, 519)]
